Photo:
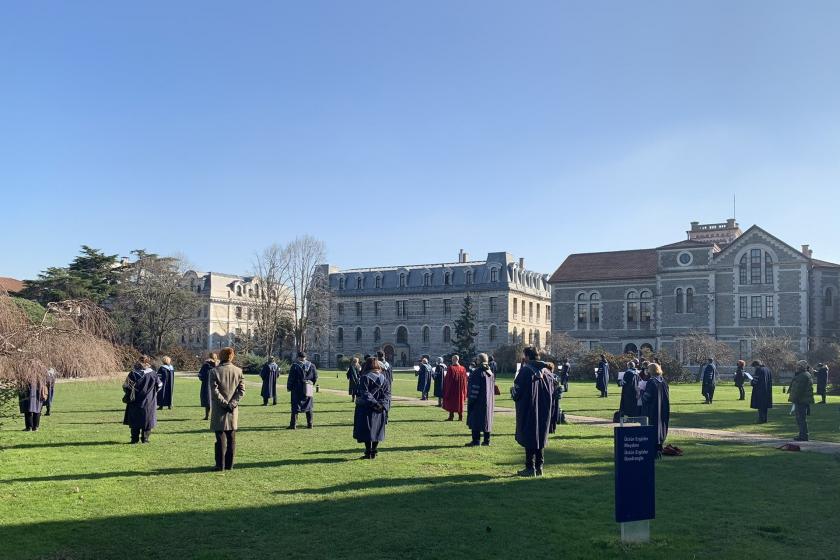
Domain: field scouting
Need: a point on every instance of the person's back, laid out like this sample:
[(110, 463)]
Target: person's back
[(533, 392), (227, 389), (801, 394)]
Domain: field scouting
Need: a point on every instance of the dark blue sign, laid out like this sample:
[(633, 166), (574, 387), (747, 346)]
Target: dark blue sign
[(635, 486)]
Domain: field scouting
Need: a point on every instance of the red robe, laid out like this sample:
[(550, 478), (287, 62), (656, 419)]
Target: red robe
[(455, 389)]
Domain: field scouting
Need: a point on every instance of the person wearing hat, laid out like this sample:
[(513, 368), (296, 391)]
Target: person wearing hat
[(822, 381), (801, 395), (739, 378), (761, 398), (709, 380)]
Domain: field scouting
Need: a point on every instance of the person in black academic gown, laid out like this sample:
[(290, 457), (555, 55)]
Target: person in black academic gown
[(821, 378), (373, 401), (629, 392), (437, 377), (204, 376), (533, 393), (387, 370), (353, 374), (141, 387), (565, 374), (709, 380), (301, 384), (557, 414), (50, 391), (166, 375), (31, 396), (656, 404), (739, 379), (602, 379), (269, 374), (424, 379), (761, 398), (481, 401)]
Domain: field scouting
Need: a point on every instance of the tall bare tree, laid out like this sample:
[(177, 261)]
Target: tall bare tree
[(565, 346), (774, 350), (273, 308), (153, 304), (697, 347), (308, 292)]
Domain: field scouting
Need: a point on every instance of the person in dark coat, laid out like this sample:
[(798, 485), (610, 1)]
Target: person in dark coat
[(50, 390), (557, 414), (424, 379), (301, 384), (373, 401), (602, 377), (629, 391), (387, 371), (438, 376), (481, 401), (494, 366), (822, 382), (740, 378), (31, 397), (140, 396), (533, 393), (761, 398), (353, 374), (656, 404), (709, 380), (565, 374), (801, 394), (269, 374), (166, 376), (204, 376)]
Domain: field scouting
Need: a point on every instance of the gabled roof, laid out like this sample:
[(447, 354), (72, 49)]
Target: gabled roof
[(824, 264), (612, 265), (10, 285), (745, 235), (688, 243)]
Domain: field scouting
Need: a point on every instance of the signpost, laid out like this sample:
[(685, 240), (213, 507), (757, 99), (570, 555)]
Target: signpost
[(635, 486)]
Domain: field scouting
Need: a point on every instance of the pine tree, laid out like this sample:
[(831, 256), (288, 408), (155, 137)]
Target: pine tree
[(465, 332)]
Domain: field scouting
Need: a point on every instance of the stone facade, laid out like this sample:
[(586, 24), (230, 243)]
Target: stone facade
[(409, 311), (730, 284)]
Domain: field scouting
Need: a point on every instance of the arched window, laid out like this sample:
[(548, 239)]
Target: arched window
[(689, 300), (468, 277), (679, 300), (426, 335), (595, 310), (742, 270), (514, 336), (493, 333), (755, 266), (358, 335), (359, 283), (402, 335), (828, 301), (537, 342), (646, 347), (378, 282), (402, 280), (427, 279), (341, 283), (238, 290), (339, 336), (632, 310), (447, 334), (645, 308), (530, 338), (631, 349), (377, 334), (494, 275), (768, 268)]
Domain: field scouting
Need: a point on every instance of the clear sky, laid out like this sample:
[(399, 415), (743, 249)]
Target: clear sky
[(400, 132)]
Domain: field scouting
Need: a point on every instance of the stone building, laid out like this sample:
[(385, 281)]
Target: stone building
[(730, 284), (408, 311)]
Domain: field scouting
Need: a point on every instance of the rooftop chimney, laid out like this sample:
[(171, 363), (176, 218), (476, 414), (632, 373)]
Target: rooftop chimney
[(521, 263), (463, 257), (806, 250)]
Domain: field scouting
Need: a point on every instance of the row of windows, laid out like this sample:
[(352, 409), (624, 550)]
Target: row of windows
[(402, 335), (754, 270), (428, 279), (684, 300), (533, 337), (757, 307), (639, 310), (424, 306), (530, 308)]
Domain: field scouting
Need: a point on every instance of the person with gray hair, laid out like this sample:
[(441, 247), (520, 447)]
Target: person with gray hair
[(424, 378), (437, 378), (481, 401)]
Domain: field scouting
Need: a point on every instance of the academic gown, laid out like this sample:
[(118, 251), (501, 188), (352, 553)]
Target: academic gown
[(822, 380), (31, 397), (709, 379), (534, 396), (481, 400), (204, 377), (602, 380), (739, 377), (166, 375), (565, 372), (353, 375), (387, 371), (555, 406), (629, 394), (424, 378), (373, 401), (50, 387), (762, 389), (455, 389), (438, 376), (299, 374), (141, 412), (656, 405), (269, 374)]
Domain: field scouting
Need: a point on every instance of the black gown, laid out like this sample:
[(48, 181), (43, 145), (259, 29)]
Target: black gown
[(481, 400), (534, 396), (141, 413), (299, 374), (166, 375), (424, 379), (204, 376), (269, 374), (437, 378), (656, 405), (352, 380), (373, 401), (762, 389), (629, 405)]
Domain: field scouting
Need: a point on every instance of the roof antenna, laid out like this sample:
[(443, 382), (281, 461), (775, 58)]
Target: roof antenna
[(734, 213)]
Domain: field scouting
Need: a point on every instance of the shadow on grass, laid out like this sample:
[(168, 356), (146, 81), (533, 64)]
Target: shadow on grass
[(389, 483), (62, 444), (384, 448)]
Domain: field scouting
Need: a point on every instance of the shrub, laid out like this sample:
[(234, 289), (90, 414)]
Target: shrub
[(251, 363), (183, 359), (34, 311), (507, 356)]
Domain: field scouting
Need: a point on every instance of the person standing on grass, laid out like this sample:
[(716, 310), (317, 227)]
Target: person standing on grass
[(740, 378), (629, 392), (32, 393), (387, 371), (269, 374), (166, 376), (50, 382), (801, 394), (301, 384), (437, 376), (481, 401), (656, 405), (602, 377), (204, 376), (424, 379), (565, 374), (353, 375), (373, 401), (494, 366), (227, 386), (455, 389), (140, 396), (822, 382), (557, 414), (761, 398), (533, 393), (709, 381)]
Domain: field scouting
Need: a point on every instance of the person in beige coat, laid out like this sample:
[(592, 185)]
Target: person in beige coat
[(227, 387)]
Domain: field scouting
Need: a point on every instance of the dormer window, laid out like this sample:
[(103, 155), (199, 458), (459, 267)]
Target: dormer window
[(341, 283), (494, 275), (468, 278), (359, 283), (402, 280), (378, 282)]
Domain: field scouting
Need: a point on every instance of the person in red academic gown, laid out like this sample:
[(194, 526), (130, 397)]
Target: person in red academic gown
[(455, 389)]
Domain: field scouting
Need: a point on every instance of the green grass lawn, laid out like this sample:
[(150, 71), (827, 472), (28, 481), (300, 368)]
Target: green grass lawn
[(687, 408), (76, 490)]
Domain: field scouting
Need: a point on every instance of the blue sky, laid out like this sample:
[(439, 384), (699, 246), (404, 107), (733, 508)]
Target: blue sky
[(400, 132)]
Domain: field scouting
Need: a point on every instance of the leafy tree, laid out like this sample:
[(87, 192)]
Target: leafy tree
[(92, 275), (464, 341)]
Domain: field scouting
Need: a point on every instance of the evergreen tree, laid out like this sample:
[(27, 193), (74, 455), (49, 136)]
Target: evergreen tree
[(465, 334), (92, 275)]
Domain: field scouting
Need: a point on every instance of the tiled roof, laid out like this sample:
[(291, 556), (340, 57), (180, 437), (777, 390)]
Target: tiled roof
[(10, 284), (824, 264), (614, 265), (687, 243)]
